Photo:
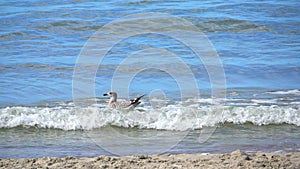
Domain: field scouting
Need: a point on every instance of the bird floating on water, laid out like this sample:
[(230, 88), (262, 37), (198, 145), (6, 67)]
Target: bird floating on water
[(124, 104)]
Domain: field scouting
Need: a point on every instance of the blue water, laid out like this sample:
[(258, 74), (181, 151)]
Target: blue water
[(257, 43)]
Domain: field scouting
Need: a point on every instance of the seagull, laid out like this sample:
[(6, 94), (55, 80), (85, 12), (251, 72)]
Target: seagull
[(122, 105)]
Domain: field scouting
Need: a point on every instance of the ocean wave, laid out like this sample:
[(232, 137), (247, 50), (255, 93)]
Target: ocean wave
[(231, 25), (172, 117), (286, 92)]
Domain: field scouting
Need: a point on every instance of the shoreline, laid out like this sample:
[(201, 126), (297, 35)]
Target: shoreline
[(235, 159)]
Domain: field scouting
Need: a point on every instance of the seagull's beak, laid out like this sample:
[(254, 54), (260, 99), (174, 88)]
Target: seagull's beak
[(105, 94)]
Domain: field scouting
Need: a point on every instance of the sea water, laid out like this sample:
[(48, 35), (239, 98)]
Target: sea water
[(257, 43)]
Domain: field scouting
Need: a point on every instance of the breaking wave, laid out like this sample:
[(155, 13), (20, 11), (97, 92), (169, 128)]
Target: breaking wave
[(172, 117)]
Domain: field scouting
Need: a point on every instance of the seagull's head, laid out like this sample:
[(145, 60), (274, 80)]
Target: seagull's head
[(111, 94)]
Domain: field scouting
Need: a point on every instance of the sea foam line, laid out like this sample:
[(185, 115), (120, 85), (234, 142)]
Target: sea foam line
[(171, 117)]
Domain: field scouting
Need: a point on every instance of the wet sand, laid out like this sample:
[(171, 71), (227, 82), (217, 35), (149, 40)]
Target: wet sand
[(236, 159)]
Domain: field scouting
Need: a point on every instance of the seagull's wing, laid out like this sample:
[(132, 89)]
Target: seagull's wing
[(136, 101), (124, 104)]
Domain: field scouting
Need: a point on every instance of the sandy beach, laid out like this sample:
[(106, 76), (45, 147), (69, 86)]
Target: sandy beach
[(236, 159)]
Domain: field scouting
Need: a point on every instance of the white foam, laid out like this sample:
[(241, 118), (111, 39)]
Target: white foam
[(295, 103), (262, 115), (264, 101), (172, 117), (292, 92), (214, 101)]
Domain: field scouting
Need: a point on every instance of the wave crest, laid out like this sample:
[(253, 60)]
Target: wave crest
[(172, 117)]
